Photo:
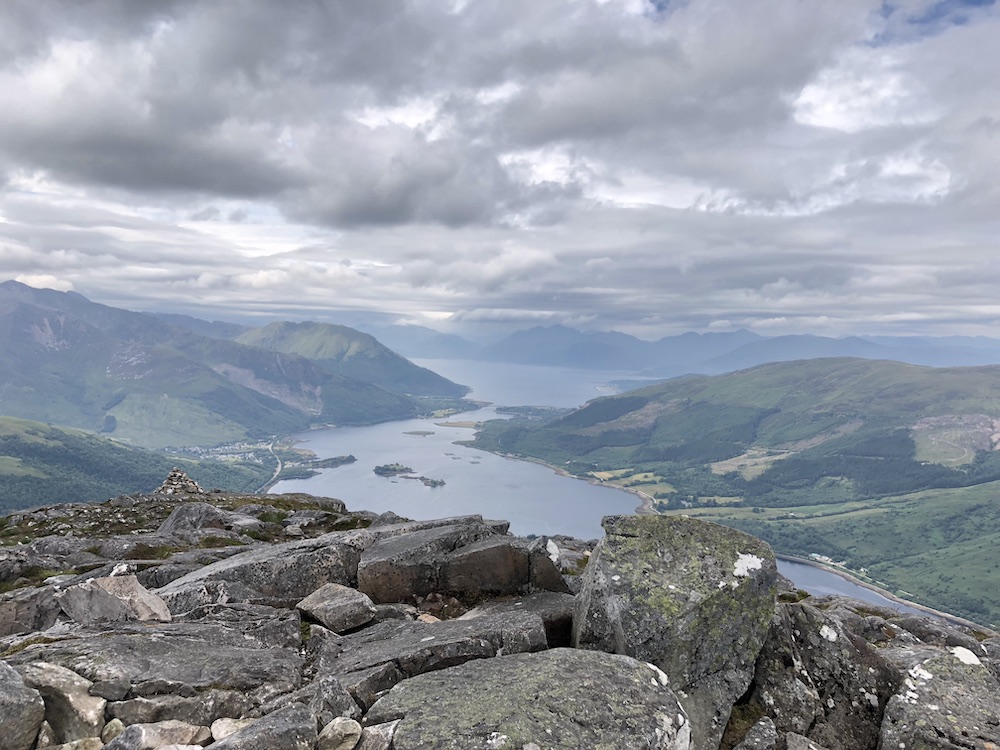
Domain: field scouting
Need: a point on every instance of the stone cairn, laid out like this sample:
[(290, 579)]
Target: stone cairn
[(179, 483)]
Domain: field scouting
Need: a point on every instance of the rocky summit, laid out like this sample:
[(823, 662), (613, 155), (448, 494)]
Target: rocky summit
[(186, 619)]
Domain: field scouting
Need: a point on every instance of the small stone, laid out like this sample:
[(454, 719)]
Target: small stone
[(112, 729), (337, 607)]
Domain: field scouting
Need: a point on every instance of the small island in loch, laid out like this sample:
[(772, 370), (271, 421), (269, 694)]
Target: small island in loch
[(405, 472)]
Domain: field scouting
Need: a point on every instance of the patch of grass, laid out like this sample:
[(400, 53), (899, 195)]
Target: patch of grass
[(143, 551), (218, 541)]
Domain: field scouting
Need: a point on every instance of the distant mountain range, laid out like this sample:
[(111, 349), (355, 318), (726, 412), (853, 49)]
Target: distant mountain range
[(688, 353), (147, 380)]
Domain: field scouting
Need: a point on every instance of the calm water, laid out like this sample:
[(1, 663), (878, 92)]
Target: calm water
[(819, 582), (532, 497), (527, 385)]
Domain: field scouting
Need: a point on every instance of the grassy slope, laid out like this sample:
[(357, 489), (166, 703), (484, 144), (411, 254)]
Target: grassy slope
[(848, 466), (354, 354), (40, 464)]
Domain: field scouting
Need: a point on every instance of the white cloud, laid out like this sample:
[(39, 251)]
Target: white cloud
[(702, 165)]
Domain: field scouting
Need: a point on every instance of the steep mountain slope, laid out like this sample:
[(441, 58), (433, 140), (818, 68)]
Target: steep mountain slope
[(74, 362), (348, 352)]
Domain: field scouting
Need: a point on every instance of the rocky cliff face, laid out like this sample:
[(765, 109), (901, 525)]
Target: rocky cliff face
[(191, 619)]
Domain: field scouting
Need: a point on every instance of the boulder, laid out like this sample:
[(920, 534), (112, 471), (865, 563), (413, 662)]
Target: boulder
[(762, 736), (287, 572), (153, 736), (837, 687), (70, 710), (337, 607), (340, 734), (112, 599), (21, 710), (203, 709), (555, 609), (562, 698), (377, 736), (192, 522), (399, 566), (692, 597), (179, 660), (184, 597), (222, 728), (290, 728), (28, 610), (415, 647), (947, 700)]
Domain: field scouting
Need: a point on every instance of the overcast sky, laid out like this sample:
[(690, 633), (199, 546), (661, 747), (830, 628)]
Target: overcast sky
[(787, 166)]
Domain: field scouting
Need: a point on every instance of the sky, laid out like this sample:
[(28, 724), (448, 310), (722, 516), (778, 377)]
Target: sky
[(647, 166)]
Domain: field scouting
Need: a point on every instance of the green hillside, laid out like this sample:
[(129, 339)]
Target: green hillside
[(68, 361), (42, 465), (884, 465), (348, 352)]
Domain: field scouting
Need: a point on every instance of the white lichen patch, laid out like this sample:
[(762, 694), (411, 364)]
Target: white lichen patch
[(965, 656), (553, 551), (661, 676), (828, 633), (745, 563), (919, 673)]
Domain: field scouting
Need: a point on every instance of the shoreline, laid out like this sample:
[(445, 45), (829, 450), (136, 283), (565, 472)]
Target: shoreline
[(645, 507), (847, 576)]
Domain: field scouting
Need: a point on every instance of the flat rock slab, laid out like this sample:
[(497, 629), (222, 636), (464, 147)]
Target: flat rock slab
[(692, 597), (417, 647), (557, 699), (177, 657), (289, 571)]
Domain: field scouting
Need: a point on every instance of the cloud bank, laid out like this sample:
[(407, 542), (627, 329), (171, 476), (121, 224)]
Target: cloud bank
[(645, 166)]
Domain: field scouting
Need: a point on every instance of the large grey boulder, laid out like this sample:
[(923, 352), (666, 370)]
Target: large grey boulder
[(287, 572), (21, 710), (186, 596), (192, 522), (468, 559), (158, 735), (817, 679), (112, 599), (290, 728), (337, 607), (562, 698), (692, 597), (70, 710), (28, 610), (948, 700), (399, 566), (418, 647), (555, 609), (253, 655)]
